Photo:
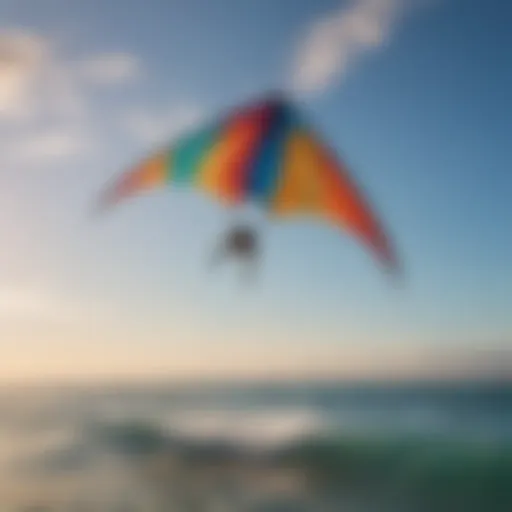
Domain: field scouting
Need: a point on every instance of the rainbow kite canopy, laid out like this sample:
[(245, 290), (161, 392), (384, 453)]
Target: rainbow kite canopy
[(261, 152)]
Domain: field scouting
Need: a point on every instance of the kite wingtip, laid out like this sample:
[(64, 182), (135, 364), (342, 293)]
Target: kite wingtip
[(390, 261), (394, 271), (100, 207)]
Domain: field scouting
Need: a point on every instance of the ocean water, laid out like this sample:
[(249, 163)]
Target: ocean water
[(257, 447)]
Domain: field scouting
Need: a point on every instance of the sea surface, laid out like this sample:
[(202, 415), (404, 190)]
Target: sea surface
[(257, 447)]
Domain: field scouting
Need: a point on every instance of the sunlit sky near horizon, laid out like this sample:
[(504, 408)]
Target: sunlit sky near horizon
[(414, 93)]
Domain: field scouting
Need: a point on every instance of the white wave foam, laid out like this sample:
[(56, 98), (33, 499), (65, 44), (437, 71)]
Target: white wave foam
[(265, 428)]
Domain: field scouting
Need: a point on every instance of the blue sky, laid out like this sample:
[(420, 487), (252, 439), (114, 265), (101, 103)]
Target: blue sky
[(414, 94)]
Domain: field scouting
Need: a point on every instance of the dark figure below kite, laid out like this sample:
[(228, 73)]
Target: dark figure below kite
[(240, 244), (264, 154)]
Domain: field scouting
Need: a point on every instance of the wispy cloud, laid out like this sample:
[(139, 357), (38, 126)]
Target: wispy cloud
[(47, 98), (151, 127), (23, 58), (334, 43), (37, 77), (48, 145), (110, 68)]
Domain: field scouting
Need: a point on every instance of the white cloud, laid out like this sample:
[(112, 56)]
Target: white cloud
[(47, 98), (335, 42), (149, 127), (110, 68), (23, 57), (49, 145), (38, 79), (35, 80)]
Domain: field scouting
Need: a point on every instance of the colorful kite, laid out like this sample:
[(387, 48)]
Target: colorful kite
[(266, 154)]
